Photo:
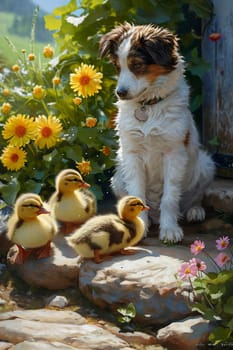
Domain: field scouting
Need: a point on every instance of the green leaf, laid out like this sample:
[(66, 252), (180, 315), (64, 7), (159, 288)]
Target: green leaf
[(10, 191), (52, 22), (228, 307), (219, 335)]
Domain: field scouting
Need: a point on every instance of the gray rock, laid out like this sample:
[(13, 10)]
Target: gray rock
[(186, 334), (42, 326), (5, 346), (146, 279), (58, 301), (39, 345), (59, 271)]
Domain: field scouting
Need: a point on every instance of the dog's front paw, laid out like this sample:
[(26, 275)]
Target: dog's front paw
[(171, 234), (195, 214)]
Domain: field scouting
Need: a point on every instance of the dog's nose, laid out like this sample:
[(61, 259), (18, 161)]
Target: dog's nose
[(122, 92)]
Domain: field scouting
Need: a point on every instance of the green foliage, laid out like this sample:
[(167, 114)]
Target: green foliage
[(127, 314), (216, 303)]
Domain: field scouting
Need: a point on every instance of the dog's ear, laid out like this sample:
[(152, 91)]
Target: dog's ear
[(161, 45), (109, 42)]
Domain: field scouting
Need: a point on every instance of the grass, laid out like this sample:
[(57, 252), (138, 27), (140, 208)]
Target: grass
[(8, 54)]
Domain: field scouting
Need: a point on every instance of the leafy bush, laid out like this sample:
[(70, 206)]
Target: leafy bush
[(83, 130)]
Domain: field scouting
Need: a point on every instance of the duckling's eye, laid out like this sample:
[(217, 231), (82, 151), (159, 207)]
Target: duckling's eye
[(136, 204), (31, 206)]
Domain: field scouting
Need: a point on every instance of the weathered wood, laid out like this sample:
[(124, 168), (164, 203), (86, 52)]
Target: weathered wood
[(218, 81)]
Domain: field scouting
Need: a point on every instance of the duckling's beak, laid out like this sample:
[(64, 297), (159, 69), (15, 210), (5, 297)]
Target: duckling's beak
[(42, 210), (145, 207), (85, 185)]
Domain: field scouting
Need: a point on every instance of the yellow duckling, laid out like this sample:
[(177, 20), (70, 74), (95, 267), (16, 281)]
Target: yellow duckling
[(106, 234), (72, 204), (30, 228)]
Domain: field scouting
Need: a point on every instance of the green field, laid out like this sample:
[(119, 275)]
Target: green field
[(6, 52)]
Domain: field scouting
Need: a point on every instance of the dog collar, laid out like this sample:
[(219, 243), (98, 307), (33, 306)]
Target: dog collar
[(141, 113)]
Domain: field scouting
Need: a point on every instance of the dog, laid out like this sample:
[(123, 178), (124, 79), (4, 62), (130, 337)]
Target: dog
[(159, 157)]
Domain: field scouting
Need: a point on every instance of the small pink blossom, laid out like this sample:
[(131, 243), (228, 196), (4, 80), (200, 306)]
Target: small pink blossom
[(215, 36), (197, 247), (187, 270), (222, 243), (201, 266), (222, 259)]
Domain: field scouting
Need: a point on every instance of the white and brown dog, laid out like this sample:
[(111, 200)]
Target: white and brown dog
[(159, 157)]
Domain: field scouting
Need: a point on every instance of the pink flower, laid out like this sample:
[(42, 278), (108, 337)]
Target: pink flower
[(187, 270), (222, 259), (222, 243), (201, 266), (215, 36), (197, 247)]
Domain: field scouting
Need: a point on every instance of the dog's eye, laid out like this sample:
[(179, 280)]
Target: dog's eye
[(137, 65)]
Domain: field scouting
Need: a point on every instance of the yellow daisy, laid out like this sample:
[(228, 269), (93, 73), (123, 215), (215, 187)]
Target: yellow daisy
[(86, 81), (48, 51), (90, 122), (48, 130), (19, 130), (84, 167), (6, 108), (38, 92), (13, 158)]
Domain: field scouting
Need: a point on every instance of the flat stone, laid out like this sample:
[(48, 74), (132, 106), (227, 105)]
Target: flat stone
[(42, 326), (186, 334), (27, 345), (146, 279), (5, 345), (59, 271)]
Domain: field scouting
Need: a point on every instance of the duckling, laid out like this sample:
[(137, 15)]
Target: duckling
[(31, 228), (107, 234), (72, 204)]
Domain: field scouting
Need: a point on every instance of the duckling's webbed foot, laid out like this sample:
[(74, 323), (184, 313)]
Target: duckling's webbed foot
[(100, 258), (43, 252), (124, 251), (21, 255), (68, 227)]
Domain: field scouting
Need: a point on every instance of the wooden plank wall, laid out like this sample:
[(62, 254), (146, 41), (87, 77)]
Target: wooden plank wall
[(218, 81)]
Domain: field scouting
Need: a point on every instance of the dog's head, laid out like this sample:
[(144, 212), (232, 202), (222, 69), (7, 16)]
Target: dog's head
[(141, 54)]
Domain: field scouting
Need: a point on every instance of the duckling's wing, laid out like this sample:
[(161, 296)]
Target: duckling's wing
[(90, 201), (55, 197), (13, 223), (102, 230), (131, 226)]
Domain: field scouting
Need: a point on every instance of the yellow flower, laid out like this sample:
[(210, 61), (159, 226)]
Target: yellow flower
[(20, 129), (106, 150), (77, 100), (48, 51), (6, 108), (38, 92), (48, 129), (91, 122), (86, 81), (84, 167), (31, 57), (15, 68), (56, 80), (5, 92), (13, 158)]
